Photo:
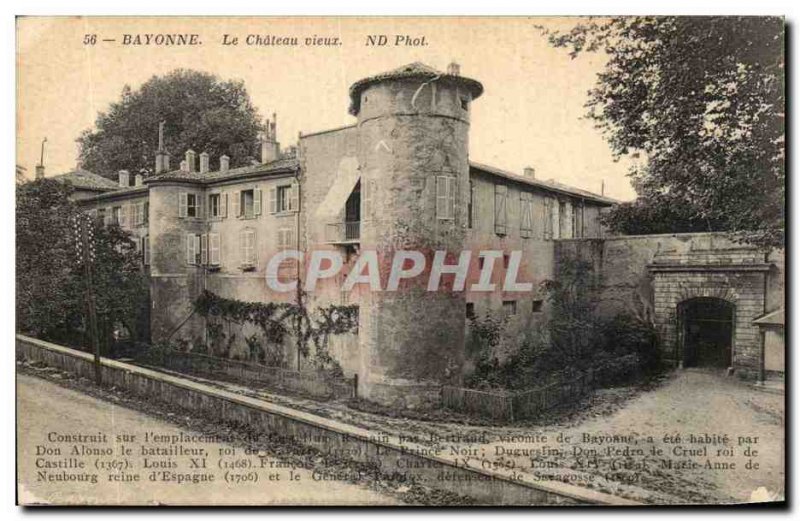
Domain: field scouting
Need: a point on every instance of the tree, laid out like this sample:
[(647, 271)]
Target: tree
[(49, 280), (702, 99), (201, 112)]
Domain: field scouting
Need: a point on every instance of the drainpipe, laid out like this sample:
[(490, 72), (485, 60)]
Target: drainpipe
[(297, 242)]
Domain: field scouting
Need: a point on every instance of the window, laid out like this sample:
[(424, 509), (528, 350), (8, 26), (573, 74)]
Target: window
[(101, 216), (562, 221), (464, 103), (188, 205), (192, 208), (510, 307), (537, 306), (146, 250), (248, 204), (193, 249), (139, 213), (577, 220), (500, 193), (214, 206), (247, 247), (470, 310), (116, 215), (285, 238), (506, 260), (526, 214), (284, 198), (547, 218), (446, 197), (213, 249)]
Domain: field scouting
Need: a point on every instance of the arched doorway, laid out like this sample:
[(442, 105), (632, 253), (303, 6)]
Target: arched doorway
[(706, 332)]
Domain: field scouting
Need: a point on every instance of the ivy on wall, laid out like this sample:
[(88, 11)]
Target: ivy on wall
[(277, 320)]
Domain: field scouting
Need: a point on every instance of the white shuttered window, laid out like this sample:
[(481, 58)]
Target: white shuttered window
[(247, 246), (446, 197), (500, 196)]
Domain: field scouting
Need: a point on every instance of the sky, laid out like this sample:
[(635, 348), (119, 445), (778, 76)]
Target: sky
[(529, 115)]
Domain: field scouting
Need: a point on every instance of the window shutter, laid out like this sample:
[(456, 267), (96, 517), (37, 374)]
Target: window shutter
[(243, 246), (273, 200), (500, 193), (256, 201), (223, 204), (474, 201), (237, 200), (294, 197), (289, 237), (146, 249), (251, 246), (213, 249), (526, 219), (190, 251), (182, 204), (441, 197), (204, 249), (146, 212), (452, 193)]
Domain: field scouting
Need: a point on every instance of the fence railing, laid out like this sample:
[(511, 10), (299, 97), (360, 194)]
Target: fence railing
[(343, 232), (313, 383), (562, 388)]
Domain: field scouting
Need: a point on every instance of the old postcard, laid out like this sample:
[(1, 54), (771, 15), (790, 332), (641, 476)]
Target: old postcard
[(400, 261)]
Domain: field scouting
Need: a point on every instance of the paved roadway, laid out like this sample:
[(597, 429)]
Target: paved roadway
[(44, 407)]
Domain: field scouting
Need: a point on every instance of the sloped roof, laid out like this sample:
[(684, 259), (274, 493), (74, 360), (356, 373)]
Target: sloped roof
[(412, 70), (86, 180), (274, 167), (773, 318), (552, 186)]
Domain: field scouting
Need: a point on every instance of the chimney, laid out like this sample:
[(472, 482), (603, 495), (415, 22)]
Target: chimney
[(124, 178), (224, 163), (162, 158), (454, 69), (204, 163), (530, 172), (270, 148), (191, 160), (138, 180), (184, 166), (39, 171)]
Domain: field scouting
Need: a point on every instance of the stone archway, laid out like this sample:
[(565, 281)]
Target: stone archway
[(741, 286)]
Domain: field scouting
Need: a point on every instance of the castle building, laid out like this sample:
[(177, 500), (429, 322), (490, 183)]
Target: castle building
[(399, 179)]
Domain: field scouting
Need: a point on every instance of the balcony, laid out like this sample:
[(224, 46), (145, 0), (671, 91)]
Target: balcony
[(343, 233)]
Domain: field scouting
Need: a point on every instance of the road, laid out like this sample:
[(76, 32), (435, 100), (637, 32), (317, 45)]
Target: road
[(47, 413)]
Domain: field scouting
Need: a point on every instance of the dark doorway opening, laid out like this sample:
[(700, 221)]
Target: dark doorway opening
[(706, 326), (352, 214)]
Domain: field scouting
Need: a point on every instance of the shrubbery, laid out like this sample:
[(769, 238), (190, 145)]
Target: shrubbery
[(573, 340)]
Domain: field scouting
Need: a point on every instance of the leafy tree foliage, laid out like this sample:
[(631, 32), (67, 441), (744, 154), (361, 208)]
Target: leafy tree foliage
[(201, 112), (50, 282), (702, 99)]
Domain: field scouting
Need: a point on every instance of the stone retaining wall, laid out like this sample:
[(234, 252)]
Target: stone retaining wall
[(491, 487)]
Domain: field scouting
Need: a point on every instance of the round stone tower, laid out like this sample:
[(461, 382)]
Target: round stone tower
[(413, 127)]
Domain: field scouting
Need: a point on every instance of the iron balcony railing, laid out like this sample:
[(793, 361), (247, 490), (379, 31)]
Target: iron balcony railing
[(345, 232)]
